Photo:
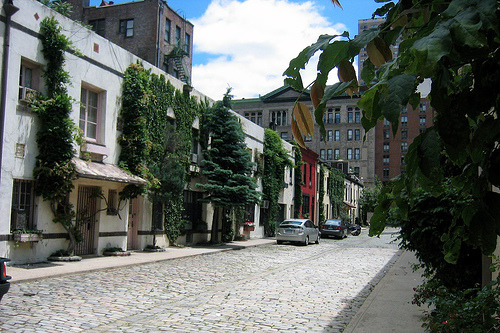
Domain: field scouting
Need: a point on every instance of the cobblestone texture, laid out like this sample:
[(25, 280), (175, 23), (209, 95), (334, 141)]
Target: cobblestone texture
[(277, 288)]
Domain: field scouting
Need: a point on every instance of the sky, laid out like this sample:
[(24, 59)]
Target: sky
[(248, 44)]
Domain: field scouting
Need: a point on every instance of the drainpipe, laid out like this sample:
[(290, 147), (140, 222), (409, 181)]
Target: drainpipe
[(158, 34), (9, 10)]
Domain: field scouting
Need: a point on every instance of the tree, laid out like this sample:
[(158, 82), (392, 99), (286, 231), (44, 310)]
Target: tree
[(227, 166), (455, 44)]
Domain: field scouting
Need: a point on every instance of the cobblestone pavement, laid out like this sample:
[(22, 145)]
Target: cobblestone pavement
[(276, 288)]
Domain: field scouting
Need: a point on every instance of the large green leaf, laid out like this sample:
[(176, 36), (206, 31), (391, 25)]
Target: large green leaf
[(331, 57), (429, 49), (429, 155), (395, 96), (334, 90)]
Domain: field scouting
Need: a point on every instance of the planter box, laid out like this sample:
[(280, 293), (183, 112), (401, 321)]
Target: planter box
[(27, 237), (116, 253), (248, 228), (68, 258)]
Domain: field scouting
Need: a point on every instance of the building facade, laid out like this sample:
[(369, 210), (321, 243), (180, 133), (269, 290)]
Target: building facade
[(96, 73), (345, 140), (150, 29)]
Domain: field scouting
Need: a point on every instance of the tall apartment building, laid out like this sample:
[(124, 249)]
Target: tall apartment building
[(390, 150), (344, 133), (150, 29)]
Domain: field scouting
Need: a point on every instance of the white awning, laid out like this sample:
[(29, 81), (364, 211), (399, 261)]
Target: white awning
[(107, 172)]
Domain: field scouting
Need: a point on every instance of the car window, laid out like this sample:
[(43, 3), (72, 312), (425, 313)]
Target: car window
[(309, 224), (333, 222), (291, 222)]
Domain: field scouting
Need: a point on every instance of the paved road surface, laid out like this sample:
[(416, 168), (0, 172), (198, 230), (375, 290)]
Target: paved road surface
[(277, 288)]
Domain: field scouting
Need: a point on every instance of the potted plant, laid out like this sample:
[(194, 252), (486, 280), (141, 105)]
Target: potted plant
[(115, 251), (249, 226)]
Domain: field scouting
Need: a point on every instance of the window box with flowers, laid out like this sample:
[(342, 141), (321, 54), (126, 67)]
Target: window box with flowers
[(27, 235), (249, 226)]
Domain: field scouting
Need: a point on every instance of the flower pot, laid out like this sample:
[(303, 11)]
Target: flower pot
[(248, 228), (27, 237)]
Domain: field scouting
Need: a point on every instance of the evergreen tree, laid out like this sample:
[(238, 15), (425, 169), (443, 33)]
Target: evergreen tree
[(227, 166)]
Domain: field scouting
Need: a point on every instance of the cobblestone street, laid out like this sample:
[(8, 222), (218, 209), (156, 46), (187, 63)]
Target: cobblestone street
[(277, 288)]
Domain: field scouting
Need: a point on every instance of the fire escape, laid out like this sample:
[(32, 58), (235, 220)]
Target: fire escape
[(177, 59)]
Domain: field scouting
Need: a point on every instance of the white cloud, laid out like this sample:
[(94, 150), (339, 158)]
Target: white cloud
[(252, 43)]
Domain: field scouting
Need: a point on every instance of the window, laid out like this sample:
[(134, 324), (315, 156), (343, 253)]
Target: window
[(127, 27), (284, 136), (404, 121), (357, 117), (350, 118), (385, 160), (385, 173), (357, 153), (423, 107), (22, 205), (278, 118), (187, 43), (337, 135), (422, 120), (387, 123), (330, 116), (98, 26), (404, 109), (255, 117), (178, 36), (356, 171), (329, 135), (89, 114), (357, 134), (349, 153), (330, 155), (305, 204), (337, 117), (387, 134), (386, 147), (404, 134), (157, 215), (112, 203), (336, 154), (193, 209), (404, 147), (168, 28), (322, 154), (349, 135), (28, 80), (403, 160), (308, 138)]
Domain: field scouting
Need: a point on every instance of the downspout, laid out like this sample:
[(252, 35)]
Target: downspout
[(9, 10), (158, 34)]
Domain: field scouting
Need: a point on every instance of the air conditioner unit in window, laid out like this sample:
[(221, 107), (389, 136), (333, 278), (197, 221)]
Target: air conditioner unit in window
[(194, 158), (28, 94)]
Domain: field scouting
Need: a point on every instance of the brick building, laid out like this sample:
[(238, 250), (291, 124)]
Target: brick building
[(150, 29), (390, 150)]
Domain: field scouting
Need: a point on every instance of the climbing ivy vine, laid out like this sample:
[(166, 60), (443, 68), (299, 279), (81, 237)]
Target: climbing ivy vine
[(275, 161), (54, 170), (336, 192), (156, 146), (321, 194), (297, 183)]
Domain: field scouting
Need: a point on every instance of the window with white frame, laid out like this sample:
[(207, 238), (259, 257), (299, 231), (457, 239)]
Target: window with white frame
[(357, 153), (404, 121), (127, 27), (322, 154), (336, 154), (168, 28), (350, 117), (187, 43), (29, 77), (90, 113), (357, 117), (357, 134), (279, 118), (330, 155), (22, 210), (387, 147), (329, 136), (337, 135), (350, 134), (422, 120), (404, 147), (349, 153)]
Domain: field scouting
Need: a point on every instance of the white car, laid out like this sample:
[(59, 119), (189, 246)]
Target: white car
[(297, 230)]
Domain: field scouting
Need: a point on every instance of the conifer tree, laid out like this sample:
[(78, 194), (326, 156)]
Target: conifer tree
[(227, 166)]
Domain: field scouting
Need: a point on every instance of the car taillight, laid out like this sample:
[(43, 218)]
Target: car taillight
[(338, 228), (4, 271), (323, 227)]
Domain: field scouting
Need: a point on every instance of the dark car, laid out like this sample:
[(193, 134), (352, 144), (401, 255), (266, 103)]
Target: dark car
[(355, 229), (334, 227), (4, 284)]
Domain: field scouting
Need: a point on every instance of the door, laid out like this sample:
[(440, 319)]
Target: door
[(86, 218), (133, 224)]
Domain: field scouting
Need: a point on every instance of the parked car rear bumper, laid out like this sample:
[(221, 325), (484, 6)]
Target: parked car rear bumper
[(334, 233), (291, 238), (4, 288)]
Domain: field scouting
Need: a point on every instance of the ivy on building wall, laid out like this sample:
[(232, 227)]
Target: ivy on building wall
[(336, 192), (156, 146), (275, 161), (321, 194), (54, 170)]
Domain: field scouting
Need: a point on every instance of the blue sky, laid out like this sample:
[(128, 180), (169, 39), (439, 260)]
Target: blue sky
[(247, 44)]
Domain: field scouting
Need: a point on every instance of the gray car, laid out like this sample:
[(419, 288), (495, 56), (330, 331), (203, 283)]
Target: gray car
[(297, 230), (335, 227)]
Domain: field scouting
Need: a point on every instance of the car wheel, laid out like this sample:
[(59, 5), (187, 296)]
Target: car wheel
[(317, 239), (306, 241)]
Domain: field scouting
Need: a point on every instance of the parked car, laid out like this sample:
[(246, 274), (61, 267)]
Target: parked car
[(335, 227), (4, 284), (297, 230), (355, 229)]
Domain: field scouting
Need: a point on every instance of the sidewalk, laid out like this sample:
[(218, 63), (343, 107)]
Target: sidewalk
[(24, 273), (388, 308)]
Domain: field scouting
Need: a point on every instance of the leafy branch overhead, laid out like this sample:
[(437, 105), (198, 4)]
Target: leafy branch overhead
[(454, 44)]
